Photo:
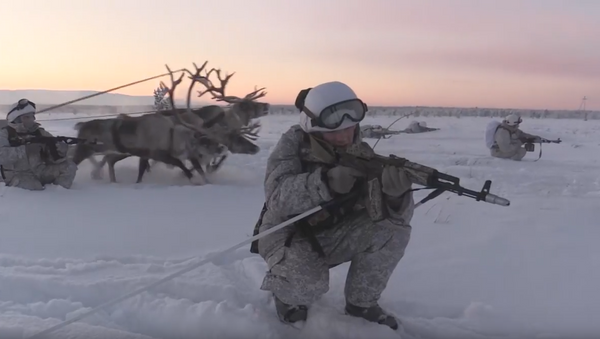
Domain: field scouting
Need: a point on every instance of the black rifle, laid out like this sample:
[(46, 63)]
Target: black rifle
[(364, 159), (530, 147), (50, 143), (543, 141)]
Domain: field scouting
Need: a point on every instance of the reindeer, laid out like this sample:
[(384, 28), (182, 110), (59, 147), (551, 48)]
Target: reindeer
[(231, 131), (152, 136), (240, 111), (234, 127), (230, 126)]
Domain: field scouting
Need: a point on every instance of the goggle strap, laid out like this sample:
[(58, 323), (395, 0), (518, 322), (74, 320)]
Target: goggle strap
[(22, 104)]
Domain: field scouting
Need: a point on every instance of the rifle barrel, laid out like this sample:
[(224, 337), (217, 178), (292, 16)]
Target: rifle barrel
[(494, 199)]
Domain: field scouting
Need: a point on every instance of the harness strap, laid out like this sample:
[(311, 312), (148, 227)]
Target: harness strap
[(540, 154), (114, 131), (254, 245), (171, 138)]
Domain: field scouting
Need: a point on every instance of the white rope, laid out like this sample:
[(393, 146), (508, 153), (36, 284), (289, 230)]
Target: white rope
[(176, 274), (390, 125), (96, 116)]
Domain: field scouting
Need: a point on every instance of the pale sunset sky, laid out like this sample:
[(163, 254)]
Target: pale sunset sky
[(487, 53)]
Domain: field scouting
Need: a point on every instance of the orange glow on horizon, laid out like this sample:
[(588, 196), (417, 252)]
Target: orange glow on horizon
[(430, 53)]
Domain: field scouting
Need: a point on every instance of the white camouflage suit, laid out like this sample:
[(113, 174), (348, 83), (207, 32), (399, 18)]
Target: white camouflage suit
[(509, 139), (297, 274), (418, 127), (31, 166)]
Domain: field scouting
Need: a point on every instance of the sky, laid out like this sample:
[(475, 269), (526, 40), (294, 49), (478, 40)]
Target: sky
[(539, 54)]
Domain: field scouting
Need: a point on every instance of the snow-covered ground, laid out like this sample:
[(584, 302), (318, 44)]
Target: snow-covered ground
[(472, 270)]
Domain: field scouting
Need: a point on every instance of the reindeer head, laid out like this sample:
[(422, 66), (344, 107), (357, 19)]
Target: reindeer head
[(244, 109), (247, 108), (238, 140), (237, 137)]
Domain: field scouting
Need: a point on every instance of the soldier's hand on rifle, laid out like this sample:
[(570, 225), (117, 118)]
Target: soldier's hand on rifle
[(62, 149), (394, 181), (341, 179)]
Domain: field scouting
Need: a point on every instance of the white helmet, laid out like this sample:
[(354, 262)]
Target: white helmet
[(423, 124), (22, 107), (333, 103), (513, 120)]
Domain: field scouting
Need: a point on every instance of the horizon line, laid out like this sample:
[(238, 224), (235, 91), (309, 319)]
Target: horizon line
[(278, 104), (382, 106)]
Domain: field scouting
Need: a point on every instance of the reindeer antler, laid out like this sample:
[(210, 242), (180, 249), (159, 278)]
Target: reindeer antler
[(219, 92), (174, 84), (255, 94), (250, 132), (195, 77)]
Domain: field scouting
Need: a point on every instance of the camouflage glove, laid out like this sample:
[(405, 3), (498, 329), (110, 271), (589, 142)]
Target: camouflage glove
[(62, 149), (341, 179), (394, 181)]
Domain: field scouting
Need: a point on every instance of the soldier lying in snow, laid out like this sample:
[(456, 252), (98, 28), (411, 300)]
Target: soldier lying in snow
[(31, 166), (376, 132), (508, 139), (418, 127), (302, 174)]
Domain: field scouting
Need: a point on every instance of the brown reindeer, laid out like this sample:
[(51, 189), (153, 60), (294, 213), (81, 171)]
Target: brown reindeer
[(154, 136), (230, 126)]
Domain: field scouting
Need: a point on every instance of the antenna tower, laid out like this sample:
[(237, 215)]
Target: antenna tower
[(582, 108), (582, 104)]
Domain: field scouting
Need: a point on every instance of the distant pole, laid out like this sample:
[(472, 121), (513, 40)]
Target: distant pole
[(582, 108)]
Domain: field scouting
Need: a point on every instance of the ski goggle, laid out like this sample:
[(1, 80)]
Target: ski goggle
[(333, 116), (22, 104)]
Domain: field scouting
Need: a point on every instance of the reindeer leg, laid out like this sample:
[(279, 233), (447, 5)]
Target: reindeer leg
[(143, 167), (82, 152), (111, 172), (214, 165), (170, 160), (96, 172), (111, 160), (198, 168), (181, 165)]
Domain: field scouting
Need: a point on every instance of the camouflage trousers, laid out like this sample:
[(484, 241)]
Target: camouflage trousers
[(298, 276), (62, 173)]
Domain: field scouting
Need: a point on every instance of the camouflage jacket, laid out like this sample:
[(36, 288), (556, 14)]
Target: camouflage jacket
[(509, 140), (25, 158), (294, 184)]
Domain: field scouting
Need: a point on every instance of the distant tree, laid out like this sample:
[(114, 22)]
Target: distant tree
[(160, 102)]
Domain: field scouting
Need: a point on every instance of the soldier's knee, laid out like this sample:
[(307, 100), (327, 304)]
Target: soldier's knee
[(69, 167), (521, 152), (66, 174), (393, 240), (295, 277)]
